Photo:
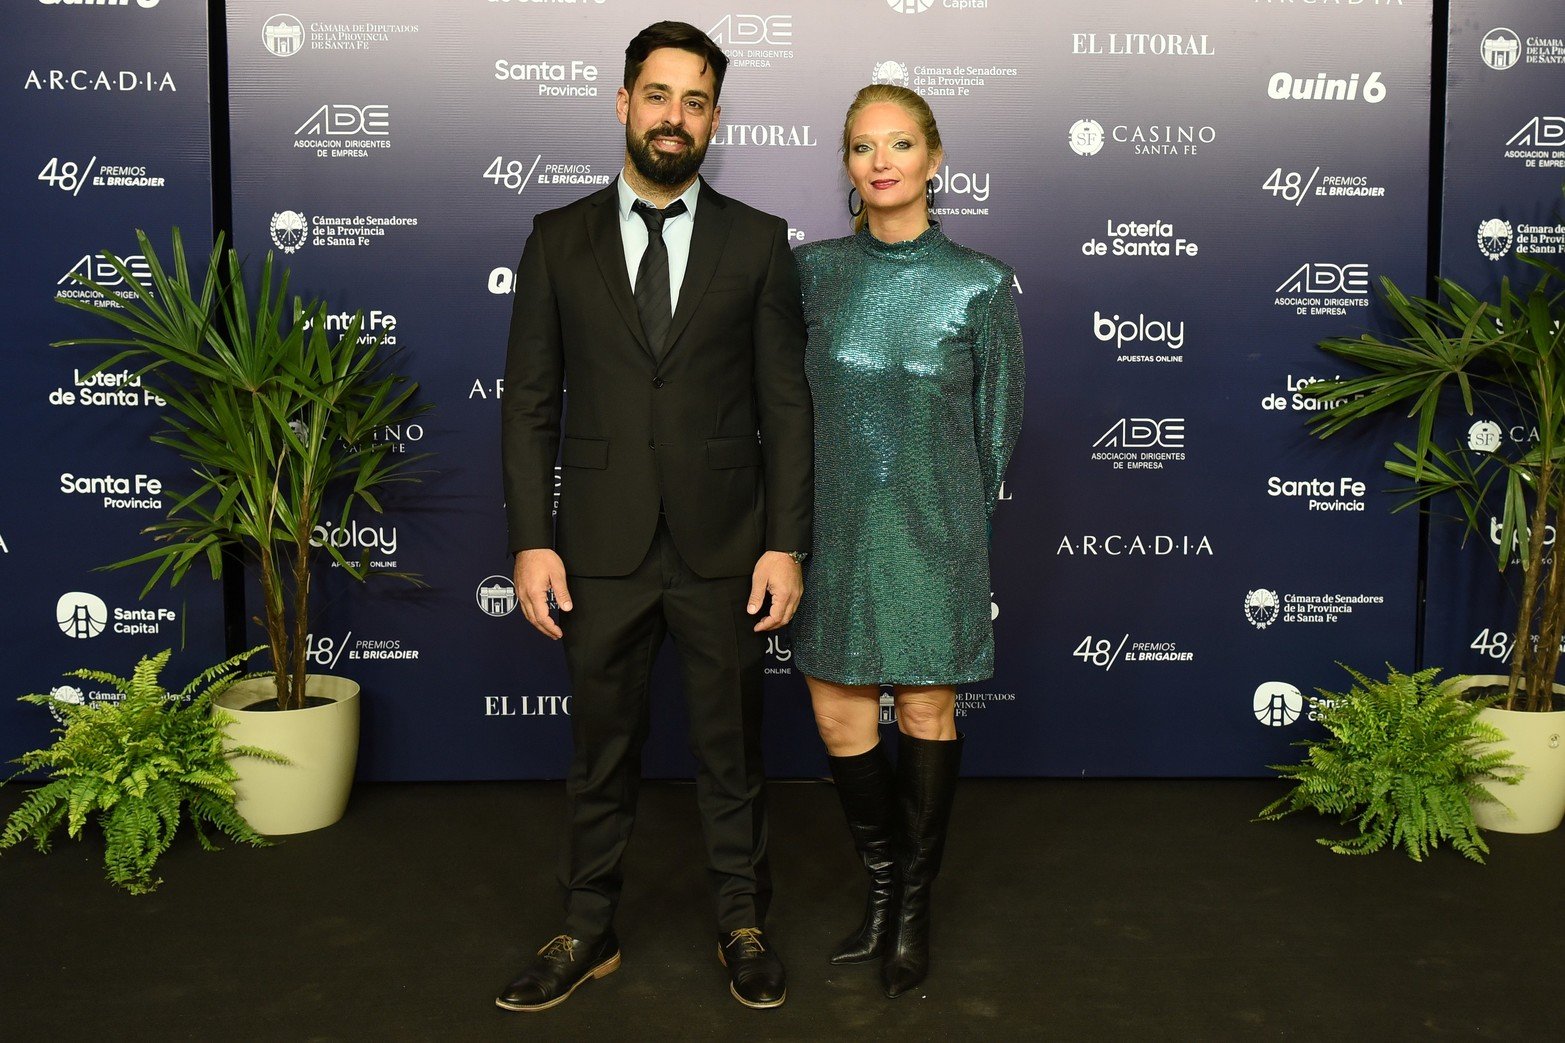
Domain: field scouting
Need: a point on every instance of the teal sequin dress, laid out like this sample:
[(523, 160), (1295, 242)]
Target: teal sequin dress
[(915, 364)]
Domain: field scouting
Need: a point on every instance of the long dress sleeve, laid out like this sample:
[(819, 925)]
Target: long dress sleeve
[(998, 382)]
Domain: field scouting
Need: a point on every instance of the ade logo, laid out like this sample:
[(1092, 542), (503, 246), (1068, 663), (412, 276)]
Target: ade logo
[(739, 30)]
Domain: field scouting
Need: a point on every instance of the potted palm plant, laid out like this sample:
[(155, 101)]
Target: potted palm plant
[(1507, 357), (276, 420)]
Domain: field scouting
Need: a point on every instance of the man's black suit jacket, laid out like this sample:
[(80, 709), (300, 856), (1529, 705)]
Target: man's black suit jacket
[(719, 431)]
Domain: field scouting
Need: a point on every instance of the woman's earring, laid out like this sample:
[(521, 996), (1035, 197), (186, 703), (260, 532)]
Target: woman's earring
[(851, 211), (929, 193)]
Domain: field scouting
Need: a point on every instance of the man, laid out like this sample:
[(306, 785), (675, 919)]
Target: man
[(672, 312)]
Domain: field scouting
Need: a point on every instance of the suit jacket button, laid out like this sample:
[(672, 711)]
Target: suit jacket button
[(657, 382), (652, 445)]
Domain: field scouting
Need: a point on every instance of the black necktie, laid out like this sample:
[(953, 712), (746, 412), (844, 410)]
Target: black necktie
[(652, 292)]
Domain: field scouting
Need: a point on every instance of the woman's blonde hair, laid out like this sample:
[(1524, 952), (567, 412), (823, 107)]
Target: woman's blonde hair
[(910, 101)]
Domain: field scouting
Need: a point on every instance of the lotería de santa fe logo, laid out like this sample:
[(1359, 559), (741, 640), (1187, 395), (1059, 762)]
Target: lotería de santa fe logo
[(915, 6)]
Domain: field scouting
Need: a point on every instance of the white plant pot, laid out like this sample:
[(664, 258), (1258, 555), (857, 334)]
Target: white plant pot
[(320, 742), (1537, 741)]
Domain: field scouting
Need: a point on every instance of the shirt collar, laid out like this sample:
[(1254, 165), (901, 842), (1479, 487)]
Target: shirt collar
[(627, 198)]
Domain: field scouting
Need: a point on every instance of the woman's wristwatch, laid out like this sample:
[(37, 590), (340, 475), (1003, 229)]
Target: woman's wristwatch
[(798, 556)]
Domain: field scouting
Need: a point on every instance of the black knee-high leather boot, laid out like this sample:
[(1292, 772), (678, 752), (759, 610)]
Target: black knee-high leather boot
[(867, 787), (926, 782)]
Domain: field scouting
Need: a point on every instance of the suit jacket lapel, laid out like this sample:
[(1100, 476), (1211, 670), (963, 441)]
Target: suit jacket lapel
[(706, 250), (609, 249)]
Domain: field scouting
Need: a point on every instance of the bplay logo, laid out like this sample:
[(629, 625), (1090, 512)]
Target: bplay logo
[(81, 615), (368, 539), (1138, 329), (889, 72), (497, 596), (283, 35), (1277, 703), (1285, 86)]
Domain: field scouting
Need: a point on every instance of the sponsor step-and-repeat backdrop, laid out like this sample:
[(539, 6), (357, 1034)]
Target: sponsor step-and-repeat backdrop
[(1504, 171), (1191, 196), (107, 129)]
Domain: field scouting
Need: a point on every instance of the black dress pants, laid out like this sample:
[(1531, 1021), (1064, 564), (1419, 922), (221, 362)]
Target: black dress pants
[(612, 636)]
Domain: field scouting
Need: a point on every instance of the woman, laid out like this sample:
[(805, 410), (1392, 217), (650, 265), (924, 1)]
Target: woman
[(915, 364)]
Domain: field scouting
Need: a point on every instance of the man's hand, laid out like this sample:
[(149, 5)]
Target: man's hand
[(537, 573), (780, 576)]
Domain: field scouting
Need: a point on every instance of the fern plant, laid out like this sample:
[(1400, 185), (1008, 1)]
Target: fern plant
[(1405, 760), (140, 765)]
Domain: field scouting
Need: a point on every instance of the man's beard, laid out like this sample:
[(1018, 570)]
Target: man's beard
[(664, 168)]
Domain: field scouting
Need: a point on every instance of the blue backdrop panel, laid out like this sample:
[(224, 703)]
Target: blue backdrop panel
[(1190, 201), (1504, 169), (106, 130)]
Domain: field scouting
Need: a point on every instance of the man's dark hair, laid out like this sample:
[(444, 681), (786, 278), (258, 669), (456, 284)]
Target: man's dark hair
[(681, 36)]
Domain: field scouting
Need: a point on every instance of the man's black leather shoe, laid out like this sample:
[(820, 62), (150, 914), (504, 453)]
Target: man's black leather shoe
[(755, 974), (561, 966)]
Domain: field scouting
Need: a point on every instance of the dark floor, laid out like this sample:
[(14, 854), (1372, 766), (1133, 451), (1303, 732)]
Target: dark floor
[(1118, 910)]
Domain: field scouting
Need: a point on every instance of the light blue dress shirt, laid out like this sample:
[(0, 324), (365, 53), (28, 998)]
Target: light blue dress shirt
[(676, 236)]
